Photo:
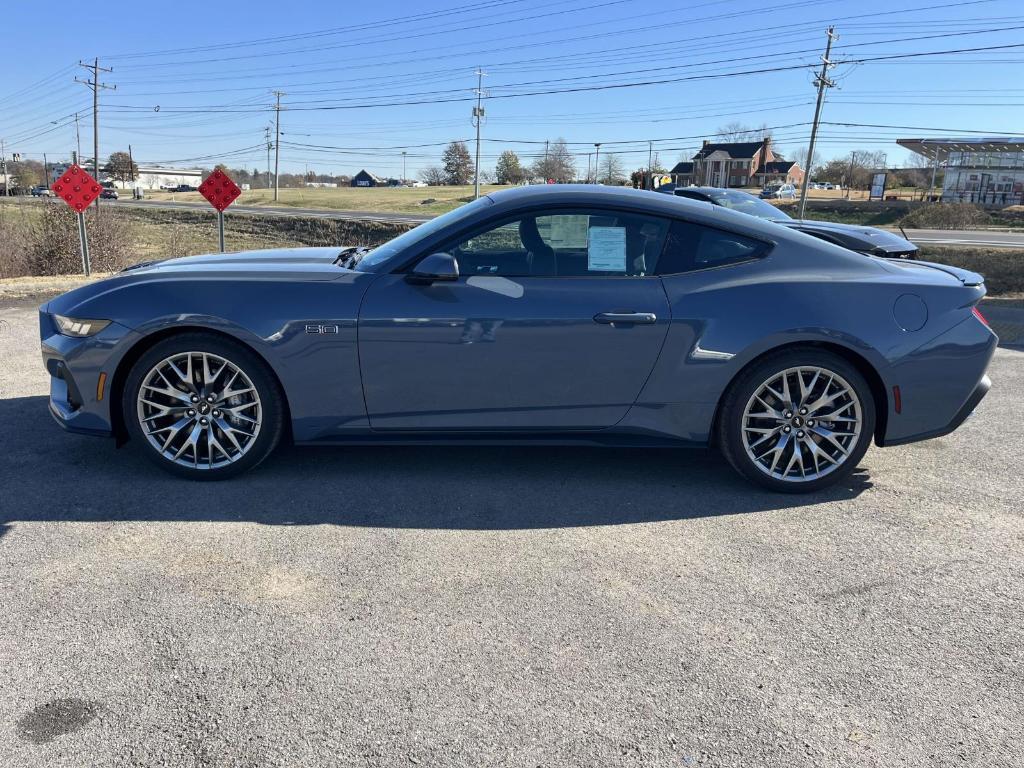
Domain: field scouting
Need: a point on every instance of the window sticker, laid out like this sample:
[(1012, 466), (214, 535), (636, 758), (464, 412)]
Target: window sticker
[(564, 231), (606, 250)]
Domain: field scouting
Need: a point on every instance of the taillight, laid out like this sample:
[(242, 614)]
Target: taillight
[(977, 313)]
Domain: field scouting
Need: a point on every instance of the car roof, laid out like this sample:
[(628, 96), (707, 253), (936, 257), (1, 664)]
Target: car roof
[(642, 201)]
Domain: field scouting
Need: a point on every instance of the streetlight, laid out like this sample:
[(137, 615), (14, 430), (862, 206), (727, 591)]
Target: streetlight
[(597, 162)]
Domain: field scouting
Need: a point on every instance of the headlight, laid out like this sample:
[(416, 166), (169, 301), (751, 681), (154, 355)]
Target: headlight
[(70, 326)]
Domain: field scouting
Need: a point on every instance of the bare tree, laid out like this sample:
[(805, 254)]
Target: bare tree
[(557, 163), (434, 175), (611, 172), (736, 131)]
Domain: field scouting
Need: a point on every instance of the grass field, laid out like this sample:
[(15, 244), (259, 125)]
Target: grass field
[(421, 200)]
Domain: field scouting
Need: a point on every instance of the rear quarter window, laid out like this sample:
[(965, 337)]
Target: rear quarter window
[(690, 247)]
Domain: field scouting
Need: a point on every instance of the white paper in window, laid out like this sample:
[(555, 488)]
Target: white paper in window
[(564, 231), (606, 249)]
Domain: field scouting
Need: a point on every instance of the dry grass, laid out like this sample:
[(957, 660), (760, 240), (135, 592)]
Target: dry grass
[(1002, 268), (367, 199)]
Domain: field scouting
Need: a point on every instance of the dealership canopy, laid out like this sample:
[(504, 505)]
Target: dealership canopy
[(943, 147)]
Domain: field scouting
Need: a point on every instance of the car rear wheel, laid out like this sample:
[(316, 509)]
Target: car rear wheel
[(203, 407), (797, 421)]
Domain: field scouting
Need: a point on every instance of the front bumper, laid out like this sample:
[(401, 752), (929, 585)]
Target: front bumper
[(78, 402)]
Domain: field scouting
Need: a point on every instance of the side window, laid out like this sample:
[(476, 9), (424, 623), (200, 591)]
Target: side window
[(690, 247), (570, 243)]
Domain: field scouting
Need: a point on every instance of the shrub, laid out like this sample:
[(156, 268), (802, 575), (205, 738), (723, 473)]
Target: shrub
[(56, 249), (947, 216), (16, 235)]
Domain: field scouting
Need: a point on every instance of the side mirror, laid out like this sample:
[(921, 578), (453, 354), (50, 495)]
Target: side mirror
[(435, 268)]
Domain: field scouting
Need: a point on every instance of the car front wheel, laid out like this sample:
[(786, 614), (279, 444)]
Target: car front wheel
[(797, 421), (203, 407)]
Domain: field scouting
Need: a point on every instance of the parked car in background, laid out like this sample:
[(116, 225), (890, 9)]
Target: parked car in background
[(779, 192), (185, 188), (41, 191), (869, 240), (571, 314), (108, 194)]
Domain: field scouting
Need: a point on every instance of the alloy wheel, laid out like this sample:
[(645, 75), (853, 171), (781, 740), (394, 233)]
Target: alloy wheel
[(199, 410), (802, 424)]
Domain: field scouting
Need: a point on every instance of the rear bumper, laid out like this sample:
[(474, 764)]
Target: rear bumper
[(961, 416), (941, 384)]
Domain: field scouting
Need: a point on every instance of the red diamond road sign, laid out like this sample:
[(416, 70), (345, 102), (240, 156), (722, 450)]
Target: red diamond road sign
[(77, 188), (220, 190)]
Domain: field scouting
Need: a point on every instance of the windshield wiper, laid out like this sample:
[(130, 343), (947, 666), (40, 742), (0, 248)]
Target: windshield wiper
[(351, 256)]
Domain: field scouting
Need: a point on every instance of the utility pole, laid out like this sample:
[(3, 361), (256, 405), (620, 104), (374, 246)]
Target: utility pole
[(131, 164), (478, 118), (270, 146), (403, 165), (96, 85), (46, 171), (849, 173), (3, 166), (649, 183), (277, 141), (597, 162), (822, 82)]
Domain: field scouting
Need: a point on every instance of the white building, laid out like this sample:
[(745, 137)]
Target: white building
[(986, 171), (157, 177)]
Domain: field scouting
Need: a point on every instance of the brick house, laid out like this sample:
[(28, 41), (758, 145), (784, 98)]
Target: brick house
[(736, 164)]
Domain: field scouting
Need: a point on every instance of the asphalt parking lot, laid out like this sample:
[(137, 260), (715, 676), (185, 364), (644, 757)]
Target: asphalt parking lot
[(506, 607)]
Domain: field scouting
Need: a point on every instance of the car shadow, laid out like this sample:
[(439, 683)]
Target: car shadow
[(49, 475)]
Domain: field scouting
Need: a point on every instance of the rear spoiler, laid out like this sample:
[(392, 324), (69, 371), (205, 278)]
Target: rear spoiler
[(965, 276)]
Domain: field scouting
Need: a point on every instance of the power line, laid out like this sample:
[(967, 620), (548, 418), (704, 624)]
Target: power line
[(96, 86)]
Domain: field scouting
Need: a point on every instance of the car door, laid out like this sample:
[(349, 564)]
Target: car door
[(554, 323)]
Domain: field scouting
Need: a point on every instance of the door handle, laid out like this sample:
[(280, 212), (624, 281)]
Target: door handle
[(626, 318)]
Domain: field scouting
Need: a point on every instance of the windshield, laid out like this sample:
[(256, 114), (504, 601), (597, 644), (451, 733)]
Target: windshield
[(382, 253), (745, 203)]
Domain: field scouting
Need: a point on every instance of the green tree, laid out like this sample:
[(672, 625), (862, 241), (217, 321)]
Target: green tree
[(26, 173), (458, 165), (120, 166), (508, 169)]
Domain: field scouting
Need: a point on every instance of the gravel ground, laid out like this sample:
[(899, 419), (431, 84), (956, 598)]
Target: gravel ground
[(513, 607)]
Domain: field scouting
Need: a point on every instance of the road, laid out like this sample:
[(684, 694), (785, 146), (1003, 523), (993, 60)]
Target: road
[(504, 606), (973, 238), (988, 239)]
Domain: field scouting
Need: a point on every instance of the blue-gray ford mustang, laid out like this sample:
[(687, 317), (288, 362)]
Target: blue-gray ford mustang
[(569, 314)]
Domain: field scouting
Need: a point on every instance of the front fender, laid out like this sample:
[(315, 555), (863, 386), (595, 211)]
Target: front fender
[(304, 330)]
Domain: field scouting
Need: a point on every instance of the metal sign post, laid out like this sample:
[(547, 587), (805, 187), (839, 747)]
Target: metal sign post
[(221, 191), (83, 241), (78, 189)]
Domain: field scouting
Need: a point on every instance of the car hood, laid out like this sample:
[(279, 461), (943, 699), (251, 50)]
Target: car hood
[(273, 260), (855, 237), (279, 264)]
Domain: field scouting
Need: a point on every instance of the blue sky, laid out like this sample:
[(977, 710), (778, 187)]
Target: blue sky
[(364, 80)]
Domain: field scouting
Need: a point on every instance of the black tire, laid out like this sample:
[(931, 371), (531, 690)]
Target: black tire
[(271, 402), (730, 422)]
